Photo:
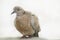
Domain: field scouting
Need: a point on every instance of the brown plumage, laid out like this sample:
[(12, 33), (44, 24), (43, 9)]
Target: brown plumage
[(26, 23)]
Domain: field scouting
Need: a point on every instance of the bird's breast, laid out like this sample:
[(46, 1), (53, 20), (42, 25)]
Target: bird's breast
[(23, 25)]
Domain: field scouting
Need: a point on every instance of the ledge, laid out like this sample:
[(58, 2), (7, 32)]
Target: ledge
[(18, 38)]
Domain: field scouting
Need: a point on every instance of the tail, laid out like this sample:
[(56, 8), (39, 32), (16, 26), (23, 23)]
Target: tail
[(35, 35)]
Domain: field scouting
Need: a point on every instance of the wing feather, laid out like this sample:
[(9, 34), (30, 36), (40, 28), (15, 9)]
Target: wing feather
[(35, 23)]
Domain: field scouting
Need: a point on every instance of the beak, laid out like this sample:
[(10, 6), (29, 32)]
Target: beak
[(13, 12)]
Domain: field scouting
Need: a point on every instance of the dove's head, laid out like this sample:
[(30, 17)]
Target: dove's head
[(18, 10)]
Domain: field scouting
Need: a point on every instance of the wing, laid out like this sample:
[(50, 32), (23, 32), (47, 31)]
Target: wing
[(35, 23)]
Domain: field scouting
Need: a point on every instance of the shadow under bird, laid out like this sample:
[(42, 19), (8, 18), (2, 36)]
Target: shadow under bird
[(26, 23)]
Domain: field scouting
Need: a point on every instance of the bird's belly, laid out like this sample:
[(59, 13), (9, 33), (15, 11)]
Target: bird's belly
[(24, 29)]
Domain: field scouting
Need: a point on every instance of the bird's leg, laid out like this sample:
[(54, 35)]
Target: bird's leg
[(30, 36)]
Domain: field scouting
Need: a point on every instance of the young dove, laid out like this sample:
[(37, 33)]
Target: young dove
[(26, 23)]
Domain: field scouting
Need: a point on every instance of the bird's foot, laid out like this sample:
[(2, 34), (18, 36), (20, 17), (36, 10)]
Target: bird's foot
[(23, 37), (29, 36)]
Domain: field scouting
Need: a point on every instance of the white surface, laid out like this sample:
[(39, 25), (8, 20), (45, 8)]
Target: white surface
[(48, 12), (33, 38), (17, 38)]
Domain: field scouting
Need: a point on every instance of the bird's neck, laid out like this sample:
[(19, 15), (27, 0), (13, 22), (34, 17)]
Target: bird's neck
[(21, 13)]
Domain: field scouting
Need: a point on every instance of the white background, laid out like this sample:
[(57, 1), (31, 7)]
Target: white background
[(48, 12)]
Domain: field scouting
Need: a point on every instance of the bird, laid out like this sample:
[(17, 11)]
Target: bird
[(26, 22)]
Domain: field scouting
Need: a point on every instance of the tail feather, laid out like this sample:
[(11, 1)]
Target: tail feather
[(35, 35)]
